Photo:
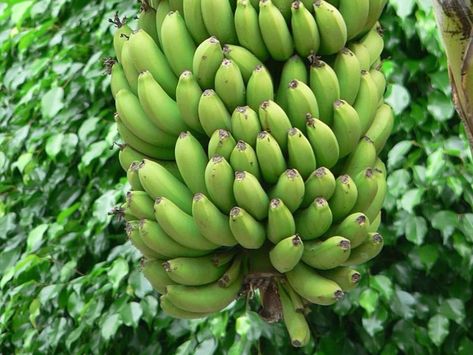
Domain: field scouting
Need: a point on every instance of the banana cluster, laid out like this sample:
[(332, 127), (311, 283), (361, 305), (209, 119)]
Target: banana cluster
[(251, 132)]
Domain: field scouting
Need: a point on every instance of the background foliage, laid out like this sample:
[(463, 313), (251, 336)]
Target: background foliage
[(69, 280)]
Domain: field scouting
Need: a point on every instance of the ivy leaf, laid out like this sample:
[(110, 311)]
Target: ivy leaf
[(438, 329), (52, 102)]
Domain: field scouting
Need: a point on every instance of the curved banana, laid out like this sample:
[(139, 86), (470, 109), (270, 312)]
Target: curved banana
[(376, 223), (129, 69), (229, 85), (344, 197), (249, 233), (259, 88), (301, 102), (250, 195), (348, 70), (243, 158), (382, 126), (345, 277), (207, 59), (118, 79), (219, 178), (362, 54), (364, 156), (294, 69), (323, 141), (346, 127), (132, 177), (375, 10), (301, 155), (328, 254), (281, 222), (213, 114), (373, 40), (221, 143), (195, 20), (370, 248), (354, 228), (133, 234), (120, 35), (355, 14), (232, 273), (193, 271), (245, 125), (315, 220), (218, 19), (140, 204), (270, 157), (176, 5), (290, 189), (286, 254), (162, 10), (170, 309), (321, 183), (380, 81), (367, 187), (332, 27), (273, 119), (154, 272), (304, 30), (188, 93), (375, 207), (127, 155), (243, 58), (367, 100), (147, 21)]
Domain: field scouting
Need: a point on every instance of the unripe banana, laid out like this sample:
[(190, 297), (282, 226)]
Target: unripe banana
[(281, 222), (260, 87), (315, 220), (313, 287), (381, 167), (213, 114), (219, 178), (212, 223), (380, 81), (179, 225), (373, 40), (188, 93), (332, 27), (348, 70), (321, 183), (243, 58), (176, 5), (286, 254), (375, 10), (366, 102), (355, 14), (243, 158), (367, 186), (378, 201), (325, 86), (232, 273), (127, 155), (270, 157), (195, 20), (154, 272), (344, 197), (159, 182), (129, 69), (284, 6), (249, 233), (290, 189), (245, 125), (250, 195), (140, 204), (170, 309), (346, 127), (364, 156), (375, 224), (218, 19), (273, 119), (304, 30), (133, 234), (323, 141), (118, 79), (171, 166), (207, 59), (229, 85), (221, 143), (147, 21), (328, 254), (146, 55), (132, 177), (120, 36), (247, 29), (365, 252), (193, 271), (296, 300), (362, 54), (162, 10), (382, 126), (301, 155), (354, 228), (293, 69), (301, 101), (275, 32), (345, 277)]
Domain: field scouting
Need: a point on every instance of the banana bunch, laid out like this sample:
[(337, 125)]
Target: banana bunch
[(251, 133)]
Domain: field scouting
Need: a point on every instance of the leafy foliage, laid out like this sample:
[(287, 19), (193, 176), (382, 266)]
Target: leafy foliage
[(70, 282)]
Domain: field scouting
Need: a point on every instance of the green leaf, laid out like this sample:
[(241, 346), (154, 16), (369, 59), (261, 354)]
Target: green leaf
[(398, 152), (131, 314), (383, 285), (398, 97), (411, 199), (35, 237), (369, 300), (52, 102), (440, 106), (428, 255), (438, 329), (446, 222), (416, 229), (403, 304), (453, 309), (118, 271), (403, 8), (110, 326)]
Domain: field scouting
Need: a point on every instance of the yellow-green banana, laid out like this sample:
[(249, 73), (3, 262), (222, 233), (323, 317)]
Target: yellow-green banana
[(118, 79), (348, 70), (364, 156), (281, 222), (378, 201), (270, 157), (380, 81), (155, 274), (188, 93), (120, 35), (243, 58), (129, 69), (259, 88), (382, 126), (249, 233), (323, 141), (232, 273), (367, 186), (127, 155), (284, 7), (345, 277), (218, 19), (362, 54), (290, 189), (366, 102), (207, 59), (354, 228), (355, 14), (250, 195), (133, 234), (301, 101), (195, 20), (273, 119), (147, 21), (176, 5), (219, 178), (301, 155), (245, 125), (140, 204), (221, 143), (376, 8), (213, 114), (162, 10), (286, 254), (170, 309), (332, 27), (376, 223), (304, 30), (293, 69), (315, 220), (229, 85), (366, 251), (193, 271), (373, 40), (344, 197), (328, 254), (243, 158), (132, 177), (346, 127), (321, 183)]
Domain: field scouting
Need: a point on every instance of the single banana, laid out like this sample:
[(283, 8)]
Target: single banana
[(276, 34), (118, 79), (346, 127), (132, 177), (366, 102), (321, 183), (232, 273), (313, 287), (284, 7), (378, 201), (162, 10), (120, 36), (380, 81), (243, 58), (260, 87), (229, 85), (294, 69), (304, 30), (344, 197), (297, 301), (301, 101), (301, 155), (249, 233), (270, 157), (373, 40), (129, 69), (159, 182), (332, 27), (207, 59), (180, 226), (382, 126), (381, 167), (362, 54), (323, 141), (243, 158), (221, 143), (147, 21), (127, 155), (348, 70), (154, 272), (176, 5), (193, 271), (133, 234), (212, 223), (247, 29), (218, 19), (325, 86), (345, 277), (245, 125), (219, 178), (364, 156), (375, 224), (328, 254), (170, 309), (290, 189), (188, 93), (370, 248), (354, 228), (213, 114), (273, 119), (355, 14), (367, 186), (281, 222), (140, 204), (375, 10), (315, 220), (250, 195), (286, 254), (195, 20)]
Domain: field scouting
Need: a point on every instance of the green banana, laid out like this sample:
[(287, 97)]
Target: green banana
[(218, 19), (147, 21), (212, 223), (297, 301), (232, 273), (348, 70), (355, 14), (276, 34), (195, 20), (154, 272), (366, 251), (127, 155), (171, 166), (159, 182), (304, 30), (243, 158), (118, 79), (129, 69), (367, 187), (332, 27), (313, 287), (229, 85), (207, 59), (344, 197), (328, 254), (323, 141), (293, 69), (374, 225), (373, 40), (375, 10), (301, 101), (162, 10), (221, 143), (362, 54), (366, 102), (380, 81), (281, 222), (286, 254), (132, 177), (170, 309), (133, 234), (315, 220), (191, 160), (250, 195), (259, 88), (321, 183), (247, 29), (213, 114), (382, 126), (180, 226), (188, 93), (325, 86), (364, 156), (140, 204), (193, 271), (120, 36), (219, 178), (345, 277), (381, 167), (301, 155), (249, 233), (290, 189), (378, 201), (354, 228), (245, 125), (270, 157), (346, 127), (284, 6), (146, 55), (243, 58), (273, 119), (176, 5)]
